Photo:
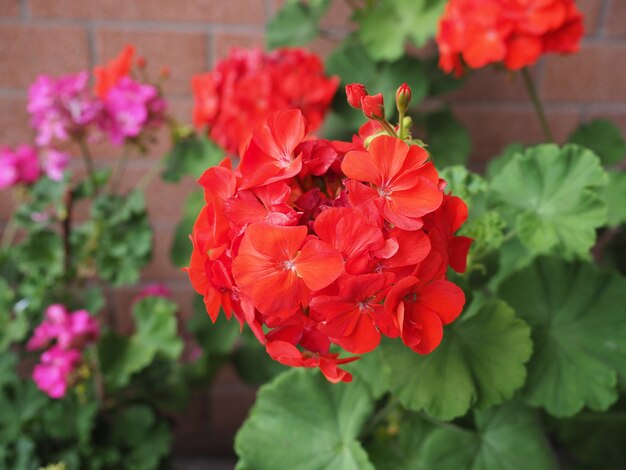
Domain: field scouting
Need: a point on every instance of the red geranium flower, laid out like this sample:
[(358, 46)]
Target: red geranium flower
[(512, 32), (248, 86), (279, 266), (404, 187), (108, 75)]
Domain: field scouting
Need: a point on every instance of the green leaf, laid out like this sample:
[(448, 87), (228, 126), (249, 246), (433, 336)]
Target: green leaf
[(480, 362), (8, 363), (552, 198), (448, 140), (615, 195), (191, 155), (508, 437), (121, 235), (216, 338), (296, 23), (41, 255), (578, 317), (301, 421), (351, 62), (14, 326), (143, 439), (496, 164), (372, 370), (389, 24), (604, 138), (180, 251), (155, 335), (596, 437)]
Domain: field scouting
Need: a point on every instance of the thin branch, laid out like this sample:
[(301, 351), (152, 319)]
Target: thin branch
[(534, 96)]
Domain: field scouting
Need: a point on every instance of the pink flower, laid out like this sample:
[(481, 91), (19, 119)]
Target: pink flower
[(54, 372), (27, 163), (54, 163), (153, 290), (61, 107), (81, 330), (8, 169), (70, 330), (129, 108)]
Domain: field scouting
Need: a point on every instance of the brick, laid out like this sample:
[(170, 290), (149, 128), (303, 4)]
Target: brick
[(493, 129), (183, 53), (594, 74), (9, 8), (192, 427), (229, 409), (224, 42), (489, 84), (204, 11), (615, 24), (591, 11), (7, 204), (14, 128), (28, 51), (338, 15)]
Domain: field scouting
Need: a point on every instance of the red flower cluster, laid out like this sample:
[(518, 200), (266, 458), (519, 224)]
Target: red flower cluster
[(248, 85), (313, 242), (515, 32)]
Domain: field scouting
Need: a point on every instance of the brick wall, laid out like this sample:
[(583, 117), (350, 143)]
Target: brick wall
[(61, 36)]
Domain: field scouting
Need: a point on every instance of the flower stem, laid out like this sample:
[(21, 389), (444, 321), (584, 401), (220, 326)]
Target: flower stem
[(66, 229), (534, 96), (11, 227), (147, 178), (117, 175), (389, 128), (9, 232), (91, 172)]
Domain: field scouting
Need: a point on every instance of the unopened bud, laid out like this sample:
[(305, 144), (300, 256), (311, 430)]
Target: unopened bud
[(164, 72), (403, 98), (355, 93), (373, 107), (141, 62)]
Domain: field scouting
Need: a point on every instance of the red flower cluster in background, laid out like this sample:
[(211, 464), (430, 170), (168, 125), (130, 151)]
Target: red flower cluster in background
[(514, 32), (313, 242), (248, 85)]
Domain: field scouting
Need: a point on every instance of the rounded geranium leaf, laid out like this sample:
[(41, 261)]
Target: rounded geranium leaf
[(302, 421), (603, 137), (509, 436), (479, 362), (578, 318), (551, 196), (614, 197)]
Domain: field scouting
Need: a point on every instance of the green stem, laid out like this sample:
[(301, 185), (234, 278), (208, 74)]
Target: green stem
[(389, 128), (534, 96), (148, 177), (117, 175), (11, 227), (401, 129), (9, 232), (91, 172)]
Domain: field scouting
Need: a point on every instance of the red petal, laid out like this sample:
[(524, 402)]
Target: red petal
[(318, 264), (444, 298)]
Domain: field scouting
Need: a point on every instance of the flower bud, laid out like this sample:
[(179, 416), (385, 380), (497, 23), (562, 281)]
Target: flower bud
[(373, 107), (355, 92), (403, 98)]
